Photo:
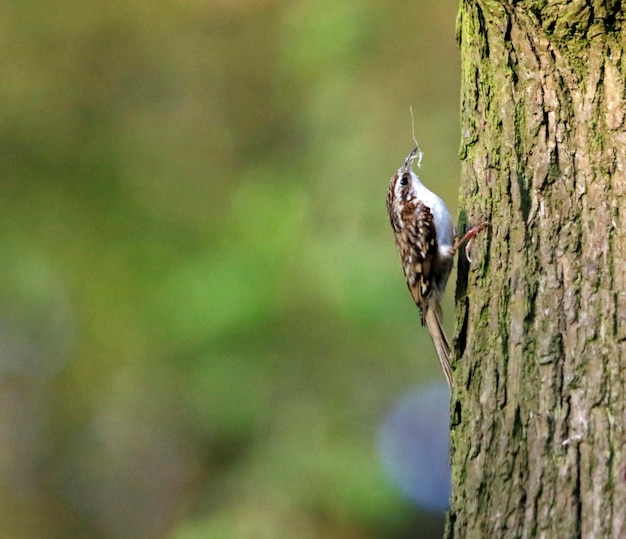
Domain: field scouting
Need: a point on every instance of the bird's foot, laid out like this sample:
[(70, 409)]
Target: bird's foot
[(470, 235)]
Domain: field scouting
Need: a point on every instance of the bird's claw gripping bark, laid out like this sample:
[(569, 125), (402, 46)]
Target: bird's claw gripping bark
[(470, 235)]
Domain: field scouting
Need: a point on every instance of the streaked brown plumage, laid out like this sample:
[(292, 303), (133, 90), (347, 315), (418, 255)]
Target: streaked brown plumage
[(424, 235)]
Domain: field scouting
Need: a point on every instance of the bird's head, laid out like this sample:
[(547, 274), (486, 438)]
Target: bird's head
[(402, 184)]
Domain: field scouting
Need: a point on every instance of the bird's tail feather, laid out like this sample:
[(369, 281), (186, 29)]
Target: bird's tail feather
[(433, 318)]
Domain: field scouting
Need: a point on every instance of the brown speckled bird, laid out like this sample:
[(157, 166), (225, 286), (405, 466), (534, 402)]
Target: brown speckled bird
[(424, 236)]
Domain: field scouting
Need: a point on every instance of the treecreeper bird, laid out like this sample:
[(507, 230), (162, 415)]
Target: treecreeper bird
[(424, 236)]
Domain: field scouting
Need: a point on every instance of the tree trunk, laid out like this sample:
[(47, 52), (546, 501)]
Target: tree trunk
[(538, 410)]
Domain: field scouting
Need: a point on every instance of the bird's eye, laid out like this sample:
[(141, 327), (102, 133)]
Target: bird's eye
[(404, 180)]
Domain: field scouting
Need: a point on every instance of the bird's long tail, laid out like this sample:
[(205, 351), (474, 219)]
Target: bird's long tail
[(433, 318)]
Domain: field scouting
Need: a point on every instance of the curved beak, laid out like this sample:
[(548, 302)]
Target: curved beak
[(408, 162)]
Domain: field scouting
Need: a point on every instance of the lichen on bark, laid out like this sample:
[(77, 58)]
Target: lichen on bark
[(539, 406)]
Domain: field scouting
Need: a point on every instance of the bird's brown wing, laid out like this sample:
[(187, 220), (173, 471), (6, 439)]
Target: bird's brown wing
[(417, 245)]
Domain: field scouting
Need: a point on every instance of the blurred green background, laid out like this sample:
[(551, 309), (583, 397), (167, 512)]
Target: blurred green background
[(203, 317)]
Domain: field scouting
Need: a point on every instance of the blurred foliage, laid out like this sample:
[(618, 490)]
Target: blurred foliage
[(203, 315)]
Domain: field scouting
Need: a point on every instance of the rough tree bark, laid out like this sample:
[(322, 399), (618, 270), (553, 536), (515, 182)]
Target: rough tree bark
[(539, 407)]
